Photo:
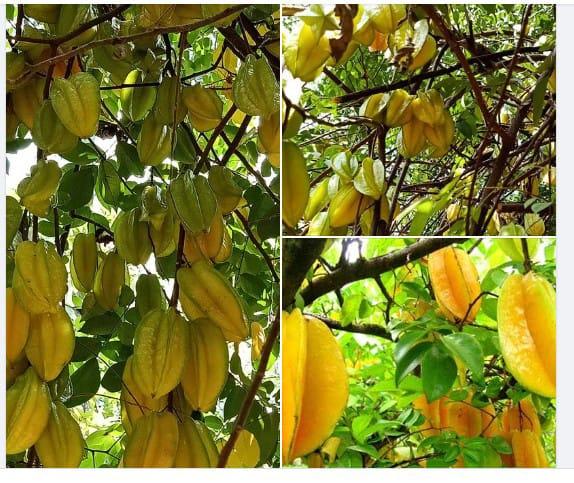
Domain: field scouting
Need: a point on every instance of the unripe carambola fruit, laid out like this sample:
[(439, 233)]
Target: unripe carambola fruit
[(136, 101), (48, 132), (154, 207), (386, 18), (295, 184), (153, 442), (255, 89), (42, 12), (196, 448), (428, 107), (455, 283), (227, 191), (533, 224), (347, 206), (40, 277), (131, 236), (27, 100), (318, 199), (305, 53), (160, 351), (204, 292), (397, 109), (411, 140), (17, 327), (77, 103), (245, 452), (154, 142), (293, 125), (527, 331), (163, 110), (164, 238), (194, 202), (109, 281), (135, 403), (84, 261), (50, 343), (314, 384), (15, 68), (269, 136), (27, 411), (206, 369), (61, 444), (204, 106), (37, 190), (440, 136), (149, 294)]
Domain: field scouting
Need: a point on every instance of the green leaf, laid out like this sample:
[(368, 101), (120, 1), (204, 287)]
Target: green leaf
[(438, 371), (468, 350), (104, 324), (16, 145), (360, 427), (86, 348), (77, 188), (85, 382), (128, 160), (109, 182), (410, 360), (112, 380), (82, 154), (538, 98)]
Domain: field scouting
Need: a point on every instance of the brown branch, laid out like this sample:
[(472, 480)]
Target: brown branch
[(367, 329)]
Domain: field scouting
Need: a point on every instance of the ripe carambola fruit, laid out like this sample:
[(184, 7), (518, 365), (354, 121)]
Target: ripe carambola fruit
[(455, 283), (134, 402), (153, 442), (15, 368), (204, 106), (245, 452), (305, 53), (269, 136), (206, 369), (255, 89), (527, 331), (109, 281), (194, 202), (411, 139), (386, 18), (84, 261), (318, 199), (37, 190), (77, 103), (206, 245), (424, 55), (160, 351), (428, 107), (227, 191), (149, 294), (527, 450), (17, 327), (520, 417), (61, 444), (225, 249), (295, 184), (136, 101), (257, 341), (164, 238), (163, 110), (27, 411), (27, 100), (440, 136), (347, 206), (314, 384), (40, 277), (196, 448), (154, 142), (397, 108), (50, 343), (204, 292), (48, 132), (131, 237)]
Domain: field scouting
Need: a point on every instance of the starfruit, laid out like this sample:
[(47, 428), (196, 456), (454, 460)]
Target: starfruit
[(226, 190), (295, 184), (48, 13), (154, 207), (154, 142), (194, 202), (50, 343), (204, 292), (165, 110), (136, 101), (27, 411), (206, 245), (293, 124), (149, 294), (520, 417), (428, 107), (164, 238), (153, 442), (440, 136), (209, 10), (109, 281), (245, 452), (372, 107), (15, 68), (386, 18), (370, 180), (411, 140), (534, 224), (48, 132), (84, 261), (527, 331), (397, 109), (318, 199), (70, 18), (204, 106), (131, 237), (305, 53), (257, 341), (196, 448), (363, 30), (160, 351), (76, 101), (135, 403), (17, 327), (424, 55), (61, 444), (255, 89), (37, 190), (269, 136), (226, 248), (527, 450), (39, 280), (347, 206), (206, 370), (27, 100), (15, 369)]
